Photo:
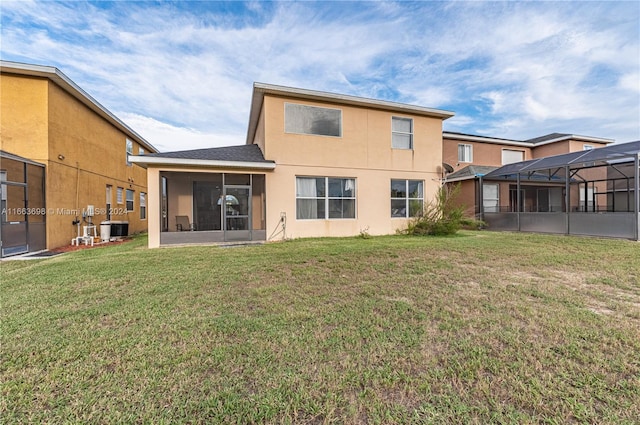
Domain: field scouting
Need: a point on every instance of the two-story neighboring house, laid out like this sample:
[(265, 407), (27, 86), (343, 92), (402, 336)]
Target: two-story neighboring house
[(314, 164), (61, 153), (467, 158)]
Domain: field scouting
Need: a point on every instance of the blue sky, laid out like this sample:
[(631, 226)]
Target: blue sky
[(180, 73)]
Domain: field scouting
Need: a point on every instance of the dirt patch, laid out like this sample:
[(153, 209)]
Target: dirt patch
[(71, 248)]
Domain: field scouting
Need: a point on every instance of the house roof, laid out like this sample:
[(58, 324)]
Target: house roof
[(530, 143), (612, 153), (241, 156), (261, 89), (557, 137), (470, 172), (57, 77)]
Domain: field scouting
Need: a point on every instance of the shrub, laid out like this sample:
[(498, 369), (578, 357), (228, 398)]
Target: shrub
[(441, 216)]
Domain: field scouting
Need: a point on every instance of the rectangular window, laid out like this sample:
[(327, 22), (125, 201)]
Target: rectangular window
[(140, 150), (129, 200), (119, 195), (401, 133), (491, 198), (129, 150), (465, 153), (510, 156), (143, 205), (407, 198), (304, 119), (325, 198), (587, 147), (108, 203)]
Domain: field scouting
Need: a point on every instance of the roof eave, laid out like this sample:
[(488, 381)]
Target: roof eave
[(145, 161), (59, 78), (260, 89), (483, 139), (574, 137)]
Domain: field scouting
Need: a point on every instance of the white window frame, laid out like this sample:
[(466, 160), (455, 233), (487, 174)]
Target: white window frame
[(327, 198), (465, 152), (119, 195), (109, 197), (130, 194), (129, 149), (587, 147), (487, 201), (143, 206), (406, 210), (395, 132)]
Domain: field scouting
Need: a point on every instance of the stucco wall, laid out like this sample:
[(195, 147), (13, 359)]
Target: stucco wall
[(82, 153), (23, 114), (363, 152), (483, 153)]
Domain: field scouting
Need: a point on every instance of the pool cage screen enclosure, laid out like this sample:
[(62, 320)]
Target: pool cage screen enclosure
[(592, 192)]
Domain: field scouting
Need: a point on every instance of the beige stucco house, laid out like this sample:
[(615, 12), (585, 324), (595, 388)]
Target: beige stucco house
[(314, 164), (62, 151)]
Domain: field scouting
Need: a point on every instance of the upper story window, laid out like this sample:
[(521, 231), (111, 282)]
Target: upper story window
[(140, 150), (510, 156), (587, 147), (401, 133), (129, 150), (305, 119), (465, 153)]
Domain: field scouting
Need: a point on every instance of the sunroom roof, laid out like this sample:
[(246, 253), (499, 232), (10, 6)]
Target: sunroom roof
[(611, 153)]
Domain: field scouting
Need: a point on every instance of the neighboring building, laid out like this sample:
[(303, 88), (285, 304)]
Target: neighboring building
[(48, 121), (468, 158), (591, 192), (314, 164)]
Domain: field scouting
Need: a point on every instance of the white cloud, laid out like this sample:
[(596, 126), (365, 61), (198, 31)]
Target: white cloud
[(520, 69)]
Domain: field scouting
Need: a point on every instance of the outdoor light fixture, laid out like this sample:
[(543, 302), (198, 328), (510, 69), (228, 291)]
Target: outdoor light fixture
[(61, 157)]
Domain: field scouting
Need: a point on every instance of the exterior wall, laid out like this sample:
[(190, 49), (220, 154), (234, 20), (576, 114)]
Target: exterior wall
[(24, 116), (564, 146), (363, 152), (483, 153), (551, 149), (82, 153), (467, 196)]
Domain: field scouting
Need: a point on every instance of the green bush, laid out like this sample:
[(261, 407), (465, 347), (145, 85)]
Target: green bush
[(441, 216)]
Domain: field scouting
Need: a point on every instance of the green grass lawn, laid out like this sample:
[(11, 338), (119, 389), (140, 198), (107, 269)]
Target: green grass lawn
[(482, 327)]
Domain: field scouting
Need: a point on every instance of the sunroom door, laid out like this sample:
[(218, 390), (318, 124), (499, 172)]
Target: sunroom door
[(237, 213)]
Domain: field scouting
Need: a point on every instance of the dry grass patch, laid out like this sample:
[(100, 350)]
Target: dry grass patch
[(479, 328)]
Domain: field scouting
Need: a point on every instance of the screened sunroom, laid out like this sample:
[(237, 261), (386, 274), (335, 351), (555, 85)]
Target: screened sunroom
[(591, 192)]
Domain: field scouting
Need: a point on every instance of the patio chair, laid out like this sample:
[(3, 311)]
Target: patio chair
[(183, 224)]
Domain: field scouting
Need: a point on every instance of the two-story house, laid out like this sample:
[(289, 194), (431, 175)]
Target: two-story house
[(467, 158), (314, 164), (61, 153)]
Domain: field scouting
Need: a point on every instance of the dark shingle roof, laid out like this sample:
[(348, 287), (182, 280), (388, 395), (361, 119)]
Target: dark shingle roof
[(547, 137), (242, 153), (470, 171)]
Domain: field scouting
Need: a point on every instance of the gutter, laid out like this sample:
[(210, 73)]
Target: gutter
[(145, 161)]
